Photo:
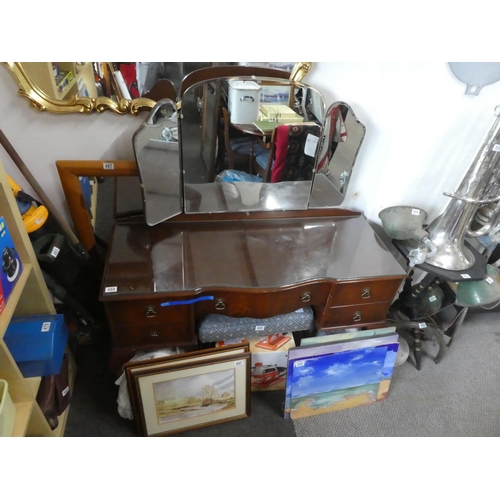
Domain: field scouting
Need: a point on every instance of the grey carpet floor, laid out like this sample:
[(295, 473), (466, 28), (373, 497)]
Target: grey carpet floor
[(458, 397)]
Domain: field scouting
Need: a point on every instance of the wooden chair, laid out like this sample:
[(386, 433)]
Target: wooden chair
[(162, 89), (262, 160), (238, 148)]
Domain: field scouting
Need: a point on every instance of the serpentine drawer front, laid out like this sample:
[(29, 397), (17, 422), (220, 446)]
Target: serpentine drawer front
[(263, 304)]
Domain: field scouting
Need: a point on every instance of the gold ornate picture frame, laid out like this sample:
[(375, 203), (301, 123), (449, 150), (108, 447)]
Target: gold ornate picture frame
[(76, 104)]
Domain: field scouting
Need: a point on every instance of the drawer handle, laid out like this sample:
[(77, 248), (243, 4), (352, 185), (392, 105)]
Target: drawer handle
[(153, 334), (356, 316), (220, 305), (306, 297), (150, 312), (366, 293)]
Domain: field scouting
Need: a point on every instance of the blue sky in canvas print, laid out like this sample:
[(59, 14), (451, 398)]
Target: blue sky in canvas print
[(342, 370)]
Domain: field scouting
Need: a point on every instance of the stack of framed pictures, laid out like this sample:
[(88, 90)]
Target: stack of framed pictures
[(335, 372), (190, 390)]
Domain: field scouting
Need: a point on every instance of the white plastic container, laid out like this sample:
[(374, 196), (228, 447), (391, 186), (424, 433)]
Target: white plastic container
[(7, 410), (244, 101)]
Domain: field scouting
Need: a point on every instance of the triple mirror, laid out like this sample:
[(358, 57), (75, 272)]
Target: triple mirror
[(232, 159)]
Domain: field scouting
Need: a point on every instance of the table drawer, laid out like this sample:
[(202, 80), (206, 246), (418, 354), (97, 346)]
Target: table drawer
[(345, 293), (145, 312), (153, 334), (354, 316), (263, 304)]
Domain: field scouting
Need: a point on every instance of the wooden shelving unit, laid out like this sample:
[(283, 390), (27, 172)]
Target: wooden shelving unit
[(29, 297)]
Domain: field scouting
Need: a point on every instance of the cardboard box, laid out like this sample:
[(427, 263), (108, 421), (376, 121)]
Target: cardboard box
[(11, 264), (279, 113), (37, 343), (269, 364)]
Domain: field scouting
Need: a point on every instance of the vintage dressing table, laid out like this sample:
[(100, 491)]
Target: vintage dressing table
[(159, 281), (238, 249)]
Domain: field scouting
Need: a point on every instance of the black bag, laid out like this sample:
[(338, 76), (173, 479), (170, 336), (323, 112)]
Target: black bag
[(54, 394)]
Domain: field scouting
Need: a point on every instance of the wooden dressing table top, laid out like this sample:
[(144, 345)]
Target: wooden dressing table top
[(183, 258)]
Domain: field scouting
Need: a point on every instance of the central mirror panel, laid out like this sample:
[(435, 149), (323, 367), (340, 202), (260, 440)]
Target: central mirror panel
[(236, 156)]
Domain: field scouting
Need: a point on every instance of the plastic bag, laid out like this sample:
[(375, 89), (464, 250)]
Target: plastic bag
[(236, 176), (123, 400)]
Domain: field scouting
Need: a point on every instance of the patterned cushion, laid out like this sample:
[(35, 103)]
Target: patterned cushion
[(217, 327)]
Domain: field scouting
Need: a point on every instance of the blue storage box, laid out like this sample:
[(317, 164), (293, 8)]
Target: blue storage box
[(37, 343)]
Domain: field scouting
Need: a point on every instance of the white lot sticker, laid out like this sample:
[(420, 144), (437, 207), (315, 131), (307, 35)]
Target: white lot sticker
[(422, 325), (311, 145), (432, 298), (415, 211), (46, 326), (489, 280), (55, 252), (108, 166), (298, 364), (110, 289), (465, 276), (65, 391), (238, 363), (259, 328)]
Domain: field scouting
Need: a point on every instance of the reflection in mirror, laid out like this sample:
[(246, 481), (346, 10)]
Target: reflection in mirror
[(342, 137), (63, 80), (228, 144), (87, 87), (156, 150)]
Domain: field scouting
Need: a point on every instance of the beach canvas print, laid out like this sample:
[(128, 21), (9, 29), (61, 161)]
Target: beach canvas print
[(330, 377)]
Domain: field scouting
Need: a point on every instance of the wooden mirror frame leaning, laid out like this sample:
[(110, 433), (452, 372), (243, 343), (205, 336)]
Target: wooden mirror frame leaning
[(69, 172)]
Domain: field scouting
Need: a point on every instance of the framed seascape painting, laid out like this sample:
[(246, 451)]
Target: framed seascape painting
[(190, 391), (275, 94)]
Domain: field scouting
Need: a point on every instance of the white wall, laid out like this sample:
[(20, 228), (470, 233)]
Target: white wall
[(422, 132)]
